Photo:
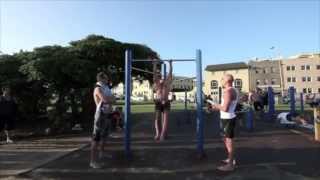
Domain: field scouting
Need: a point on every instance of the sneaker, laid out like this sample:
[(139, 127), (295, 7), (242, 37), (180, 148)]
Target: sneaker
[(226, 167), (95, 165), (227, 161), (9, 141)]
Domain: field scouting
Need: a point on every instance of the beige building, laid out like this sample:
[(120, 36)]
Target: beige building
[(301, 72), (181, 83), (264, 74), (214, 73)]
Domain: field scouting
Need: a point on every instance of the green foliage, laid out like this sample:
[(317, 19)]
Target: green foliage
[(57, 81)]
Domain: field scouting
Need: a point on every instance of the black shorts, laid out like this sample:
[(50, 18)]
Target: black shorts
[(6, 123), (228, 126), (162, 107), (101, 128)]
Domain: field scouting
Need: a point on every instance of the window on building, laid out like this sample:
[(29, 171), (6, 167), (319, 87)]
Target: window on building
[(257, 82), (257, 71), (264, 70), (308, 67), (266, 81), (238, 83), (289, 79), (303, 79), (318, 78), (288, 68), (304, 90), (318, 90), (303, 67), (309, 90), (273, 81), (273, 69), (293, 68), (293, 79), (309, 79), (214, 84), (318, 67)]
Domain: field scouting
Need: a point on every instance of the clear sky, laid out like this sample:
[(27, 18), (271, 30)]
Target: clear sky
[(225, 31)]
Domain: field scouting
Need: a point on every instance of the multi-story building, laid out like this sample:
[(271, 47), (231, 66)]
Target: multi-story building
[(181, 83), (264, 74), (214, 73), (302, 72)]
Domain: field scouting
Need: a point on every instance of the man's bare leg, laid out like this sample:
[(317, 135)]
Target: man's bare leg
[(164, 124), (93, 154), (8, 136), (157, 126)]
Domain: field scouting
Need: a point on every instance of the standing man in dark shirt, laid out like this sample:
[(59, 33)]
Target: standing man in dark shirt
[(8, 112)]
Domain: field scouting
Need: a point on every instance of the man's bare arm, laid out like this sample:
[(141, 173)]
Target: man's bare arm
[(105, 99), (227, 96), (169, 78)]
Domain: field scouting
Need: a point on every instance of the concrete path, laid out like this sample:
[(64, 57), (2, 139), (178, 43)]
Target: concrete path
[(24, 156), (270, 152)]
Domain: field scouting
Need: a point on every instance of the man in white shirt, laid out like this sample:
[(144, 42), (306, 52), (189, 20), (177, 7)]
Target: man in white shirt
[(228, 119), (103, 99)]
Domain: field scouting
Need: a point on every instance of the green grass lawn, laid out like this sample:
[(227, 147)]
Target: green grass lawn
[(286, 107), (148, 107)]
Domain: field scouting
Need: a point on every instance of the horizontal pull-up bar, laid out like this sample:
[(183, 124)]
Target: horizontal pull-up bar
[(161, 60), (141, 70)]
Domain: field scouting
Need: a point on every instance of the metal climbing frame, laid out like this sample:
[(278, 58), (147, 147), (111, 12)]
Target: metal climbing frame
[(127, 113)]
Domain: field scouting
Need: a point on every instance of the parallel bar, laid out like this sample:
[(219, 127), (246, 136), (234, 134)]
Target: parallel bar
[(127, 113), (301, 102), (161, 60), (147, 60), (138, 69), (271, 103), (292, 100), (199, 104)]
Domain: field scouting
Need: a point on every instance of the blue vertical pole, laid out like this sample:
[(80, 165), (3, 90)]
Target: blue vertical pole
[(292, 100), (127, 112), (301, 103), (199, 104), (271, 102), (249, 123)]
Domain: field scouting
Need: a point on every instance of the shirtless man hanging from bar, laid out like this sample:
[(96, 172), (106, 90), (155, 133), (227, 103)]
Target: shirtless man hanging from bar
[(162, 87)]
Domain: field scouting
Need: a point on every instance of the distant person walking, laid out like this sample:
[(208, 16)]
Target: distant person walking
[(228, 118), (8, 113)]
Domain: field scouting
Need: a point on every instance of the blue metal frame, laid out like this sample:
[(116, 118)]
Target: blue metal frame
[(271, 102), (249, 123), (127, 114), (199, 103), (292, 100), (301, 102)]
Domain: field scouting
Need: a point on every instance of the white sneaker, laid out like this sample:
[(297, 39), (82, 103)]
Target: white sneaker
[(95, 165), (9, 141), (227, 161)]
